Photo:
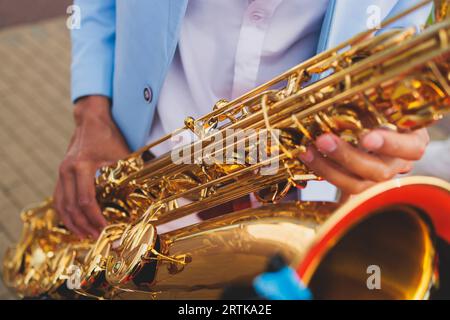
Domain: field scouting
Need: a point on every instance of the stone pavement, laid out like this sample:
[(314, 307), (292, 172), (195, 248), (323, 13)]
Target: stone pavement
[(35, 120), (28, 11)]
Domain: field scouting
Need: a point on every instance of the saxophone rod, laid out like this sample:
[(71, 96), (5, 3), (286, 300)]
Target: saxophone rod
[(304, 65), (279, 107), (281, 177), (164, 161)]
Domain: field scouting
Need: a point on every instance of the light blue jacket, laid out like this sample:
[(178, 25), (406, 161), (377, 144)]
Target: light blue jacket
[(124, 48)]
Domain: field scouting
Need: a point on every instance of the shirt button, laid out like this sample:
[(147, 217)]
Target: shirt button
[(148, 95)]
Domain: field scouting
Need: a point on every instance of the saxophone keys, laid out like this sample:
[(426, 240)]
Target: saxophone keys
[(189, 122), (133, 263)]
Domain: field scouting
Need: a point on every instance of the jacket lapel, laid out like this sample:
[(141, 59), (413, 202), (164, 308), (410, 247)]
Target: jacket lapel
[(346, 18)]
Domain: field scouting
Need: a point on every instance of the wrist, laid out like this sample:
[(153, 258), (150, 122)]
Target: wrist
[(89, 107)]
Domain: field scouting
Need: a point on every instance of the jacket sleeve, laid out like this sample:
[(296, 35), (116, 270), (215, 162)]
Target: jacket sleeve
[(93, 49), (418, 19)]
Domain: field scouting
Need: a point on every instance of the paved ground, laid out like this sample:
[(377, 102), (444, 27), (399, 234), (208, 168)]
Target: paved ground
[(35, 121), (26, 11)]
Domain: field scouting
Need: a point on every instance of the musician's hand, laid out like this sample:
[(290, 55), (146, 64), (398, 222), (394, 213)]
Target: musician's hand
[(382, 155), (96, 142)]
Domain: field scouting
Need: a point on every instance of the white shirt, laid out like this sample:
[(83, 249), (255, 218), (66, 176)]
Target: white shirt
[(228, 47)]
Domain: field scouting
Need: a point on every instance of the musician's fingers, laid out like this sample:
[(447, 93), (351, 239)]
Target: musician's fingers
[(328, 170), (70, 203), (85, 174), (58, 200), (408, 166), (408, 146), (358, 162)]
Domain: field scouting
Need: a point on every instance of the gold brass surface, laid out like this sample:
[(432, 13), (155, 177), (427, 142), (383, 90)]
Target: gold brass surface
[(399, 80), (406, 259)]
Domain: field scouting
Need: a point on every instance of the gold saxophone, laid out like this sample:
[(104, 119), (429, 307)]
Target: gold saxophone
[(399, 80)]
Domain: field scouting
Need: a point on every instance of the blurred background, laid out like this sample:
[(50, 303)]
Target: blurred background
[(35, 107), (35, 110)]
